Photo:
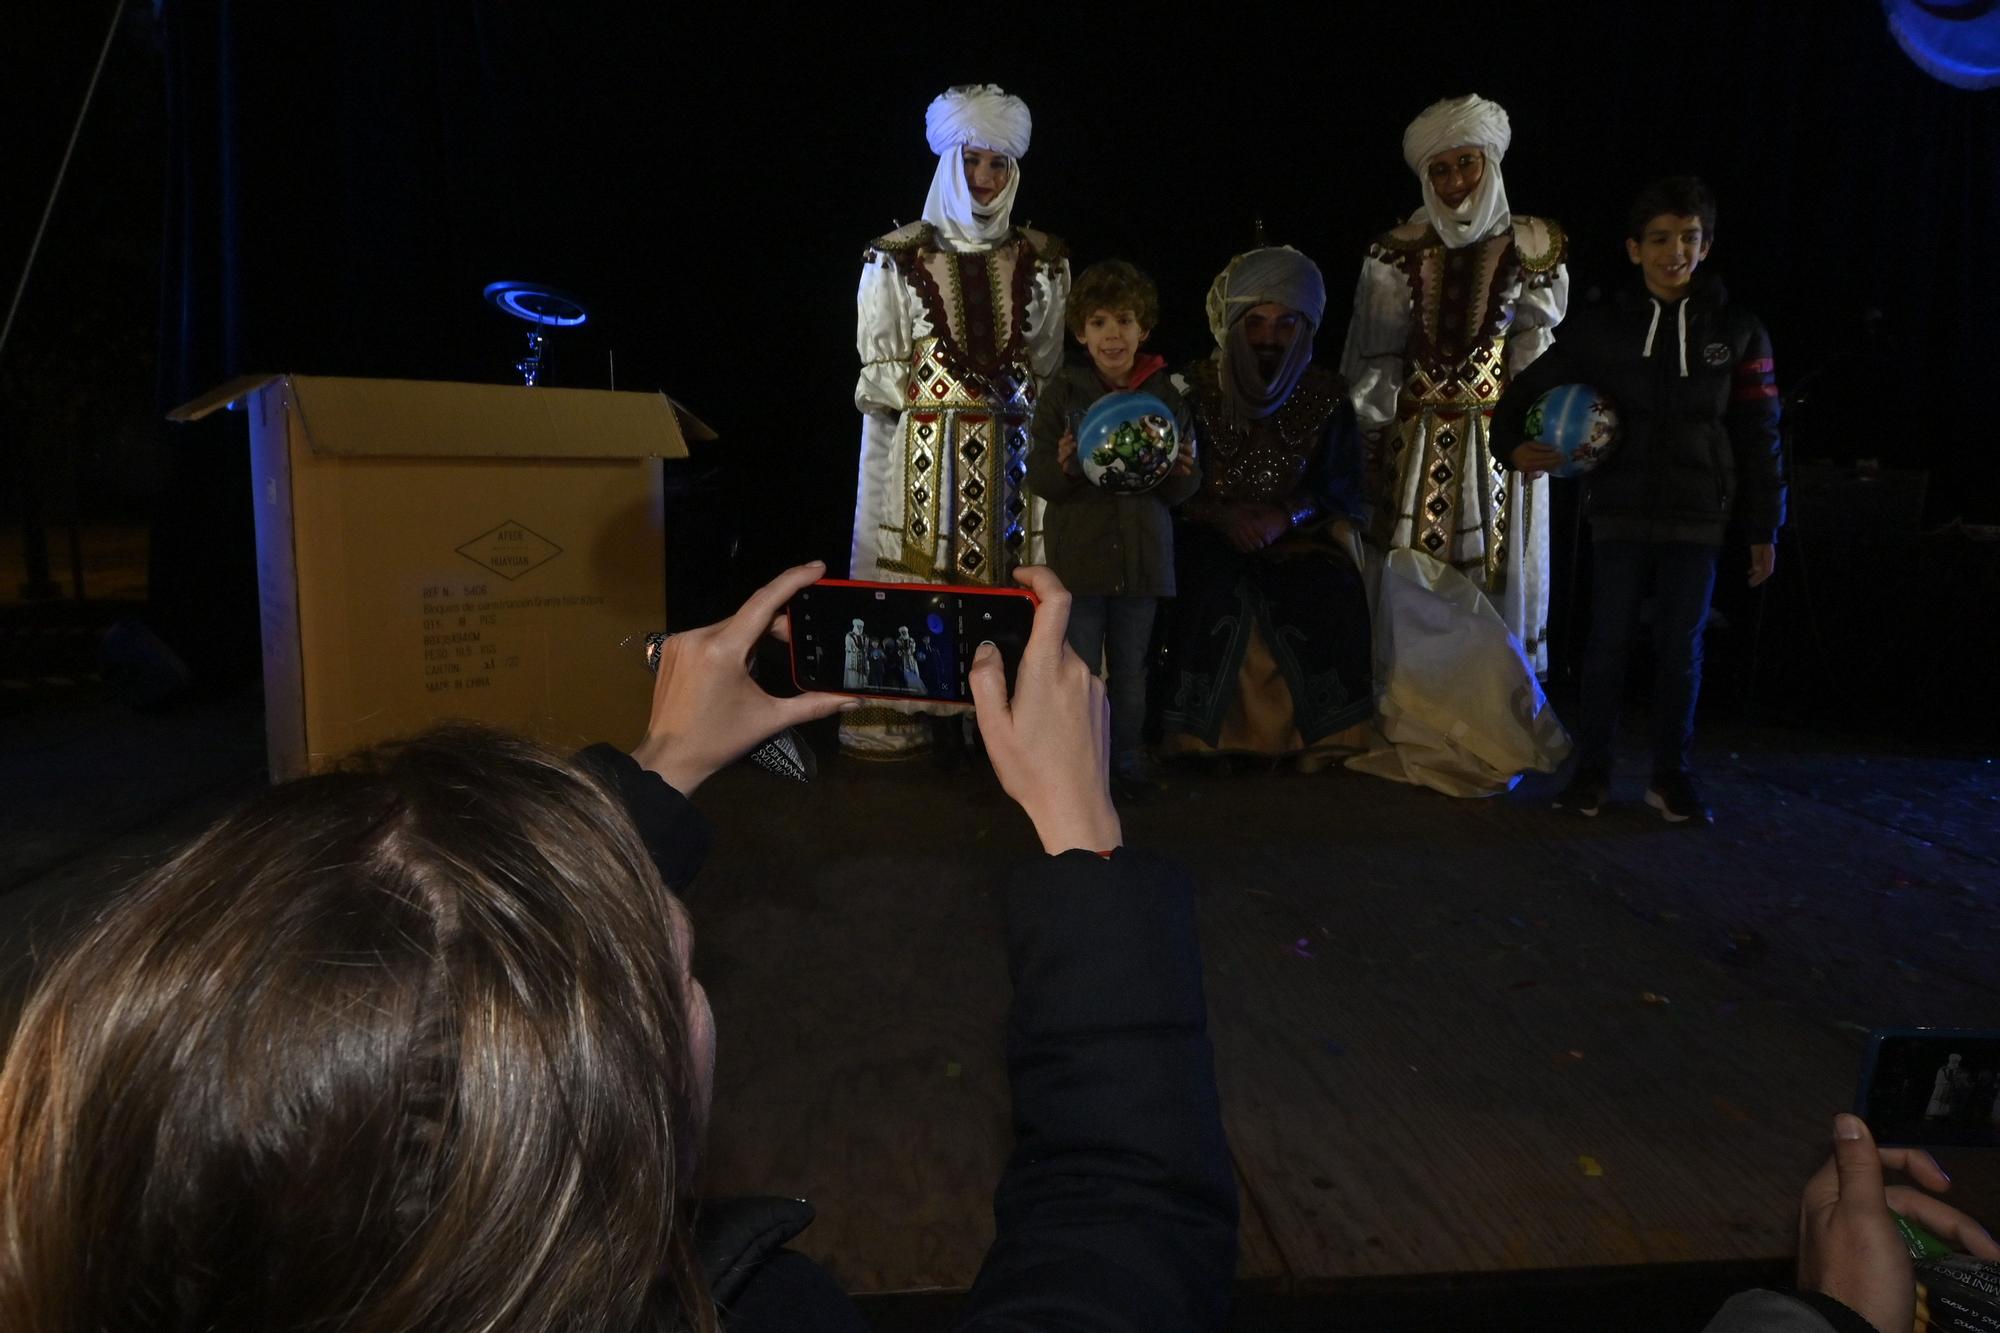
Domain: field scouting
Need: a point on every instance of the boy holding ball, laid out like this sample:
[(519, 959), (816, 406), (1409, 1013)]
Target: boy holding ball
[(1113, 551), (1696, 460)]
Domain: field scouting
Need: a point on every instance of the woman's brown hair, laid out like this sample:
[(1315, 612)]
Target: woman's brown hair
[(403, 1046)]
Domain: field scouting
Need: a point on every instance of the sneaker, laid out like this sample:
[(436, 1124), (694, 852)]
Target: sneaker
[(1585, 793), (1675, 797)]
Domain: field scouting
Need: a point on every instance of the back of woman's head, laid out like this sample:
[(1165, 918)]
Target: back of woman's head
[(403, 1046)]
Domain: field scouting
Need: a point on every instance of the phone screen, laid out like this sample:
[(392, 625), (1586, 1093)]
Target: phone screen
[(1932, 1087), (903, 640)]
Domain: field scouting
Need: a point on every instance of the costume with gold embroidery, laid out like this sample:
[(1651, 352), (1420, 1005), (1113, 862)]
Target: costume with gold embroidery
[(1437, 331), (958, 320), (954, 344), (1272, 651)]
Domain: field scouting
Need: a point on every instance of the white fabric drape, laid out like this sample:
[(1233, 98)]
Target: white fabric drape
[(962, 222), (1457, 704)]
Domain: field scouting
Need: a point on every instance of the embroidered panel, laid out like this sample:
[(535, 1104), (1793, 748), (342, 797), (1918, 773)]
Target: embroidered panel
[(1265, 466), (965, 459)]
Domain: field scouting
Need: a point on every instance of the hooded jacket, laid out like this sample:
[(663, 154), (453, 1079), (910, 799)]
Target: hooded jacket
[(1697, 450)]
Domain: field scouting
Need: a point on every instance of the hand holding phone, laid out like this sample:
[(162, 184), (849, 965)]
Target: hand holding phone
[(1050, 739), (1849, 1247), (707, 711)]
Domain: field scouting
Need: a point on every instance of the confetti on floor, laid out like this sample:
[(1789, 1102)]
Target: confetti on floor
[(951, 1069), (1589, 1166)]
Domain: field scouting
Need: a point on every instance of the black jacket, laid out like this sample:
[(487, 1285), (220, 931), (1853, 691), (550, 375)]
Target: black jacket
[(1697, 449), (1117, 1209)]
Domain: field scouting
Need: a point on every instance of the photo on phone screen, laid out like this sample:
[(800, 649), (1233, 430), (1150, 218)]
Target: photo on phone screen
[(1932, 1087), (903, 640)]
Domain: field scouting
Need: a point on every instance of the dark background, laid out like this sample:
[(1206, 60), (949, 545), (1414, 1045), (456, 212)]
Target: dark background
[(326, 188)]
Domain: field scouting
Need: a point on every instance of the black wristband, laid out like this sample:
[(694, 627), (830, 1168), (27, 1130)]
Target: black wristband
[(1841, 1316)]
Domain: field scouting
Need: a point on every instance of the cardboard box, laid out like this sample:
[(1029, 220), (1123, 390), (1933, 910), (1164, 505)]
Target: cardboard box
[(429, 551)]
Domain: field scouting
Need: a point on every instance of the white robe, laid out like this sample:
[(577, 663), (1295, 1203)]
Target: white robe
[(941, 495), (1457, 705), (1376, 364), (854, 669), (895, 512), (906, 661)]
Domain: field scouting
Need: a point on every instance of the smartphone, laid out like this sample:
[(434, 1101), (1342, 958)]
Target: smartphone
[(903, 640), (1932, 1087)]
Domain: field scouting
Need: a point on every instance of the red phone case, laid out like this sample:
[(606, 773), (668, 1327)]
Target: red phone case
[(792, 649)]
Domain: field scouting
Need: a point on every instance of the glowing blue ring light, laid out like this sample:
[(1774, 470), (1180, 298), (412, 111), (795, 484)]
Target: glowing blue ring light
[(537, 304), (1954, 41)]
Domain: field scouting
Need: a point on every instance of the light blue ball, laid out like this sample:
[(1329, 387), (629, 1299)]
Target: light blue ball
[(1578, 422), (1127, 442)]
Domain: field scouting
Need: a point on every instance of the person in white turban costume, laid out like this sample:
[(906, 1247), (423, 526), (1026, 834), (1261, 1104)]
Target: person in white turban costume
[(959, 320), (1450, 305)]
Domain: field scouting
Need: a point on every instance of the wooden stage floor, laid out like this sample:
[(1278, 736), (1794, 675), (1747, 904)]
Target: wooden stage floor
[(1453, 1037), (1458, 1042)]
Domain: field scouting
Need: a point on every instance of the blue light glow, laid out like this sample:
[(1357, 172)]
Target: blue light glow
[(1954, 41), (537, 304)]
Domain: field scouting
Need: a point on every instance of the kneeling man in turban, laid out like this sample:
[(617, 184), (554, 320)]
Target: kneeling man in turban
[(1272, 649)]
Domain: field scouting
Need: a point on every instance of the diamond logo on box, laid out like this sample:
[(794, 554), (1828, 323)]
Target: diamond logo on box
[(510, 550)]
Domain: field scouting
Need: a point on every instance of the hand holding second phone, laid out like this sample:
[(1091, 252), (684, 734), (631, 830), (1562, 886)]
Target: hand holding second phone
[(1848, 1244), (707, 711), (1051, 742)]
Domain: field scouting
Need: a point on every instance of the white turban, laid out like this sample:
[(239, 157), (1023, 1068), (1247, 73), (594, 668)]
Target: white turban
[(979, 116), (1461, 122)]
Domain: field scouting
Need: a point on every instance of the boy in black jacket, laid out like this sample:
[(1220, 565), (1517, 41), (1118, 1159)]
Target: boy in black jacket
[(1697, 457)]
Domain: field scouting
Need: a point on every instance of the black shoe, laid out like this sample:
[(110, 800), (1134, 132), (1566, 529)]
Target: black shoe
[(1585, 793), (1136, 789), (1674, 796)]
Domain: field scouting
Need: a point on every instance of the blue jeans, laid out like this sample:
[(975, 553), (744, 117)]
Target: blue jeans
[(1128, 623), (1683, 576)]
